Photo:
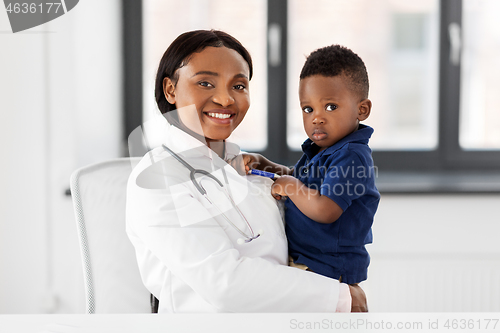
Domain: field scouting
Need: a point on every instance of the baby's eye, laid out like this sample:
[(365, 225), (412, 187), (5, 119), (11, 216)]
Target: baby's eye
[(307, 109), (205, 84), (331, 107), (240, 87)]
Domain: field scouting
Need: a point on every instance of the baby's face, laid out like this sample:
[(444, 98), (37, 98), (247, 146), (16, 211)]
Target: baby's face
[(330, 109)]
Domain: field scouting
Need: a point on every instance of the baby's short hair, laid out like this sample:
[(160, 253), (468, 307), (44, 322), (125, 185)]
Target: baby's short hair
[(336, 60)]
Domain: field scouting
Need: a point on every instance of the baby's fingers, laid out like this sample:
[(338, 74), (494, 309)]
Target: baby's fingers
[(276, 189), (238, 164)]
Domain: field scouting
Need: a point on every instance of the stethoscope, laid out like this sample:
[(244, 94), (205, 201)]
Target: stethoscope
[(201, 189)]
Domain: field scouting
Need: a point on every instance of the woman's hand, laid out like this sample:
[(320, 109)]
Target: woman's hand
[(358, 299)]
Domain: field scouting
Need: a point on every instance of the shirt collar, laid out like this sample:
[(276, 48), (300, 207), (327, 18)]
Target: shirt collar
[(362, 135)]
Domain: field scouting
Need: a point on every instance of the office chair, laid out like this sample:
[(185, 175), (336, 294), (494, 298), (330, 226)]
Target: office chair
[(111, 274)]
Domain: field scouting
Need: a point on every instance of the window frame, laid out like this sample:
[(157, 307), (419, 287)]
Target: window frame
[(448, 155), (451, 155), (132, 71)]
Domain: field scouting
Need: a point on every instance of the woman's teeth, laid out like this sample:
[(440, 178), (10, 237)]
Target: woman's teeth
[(220, 115)]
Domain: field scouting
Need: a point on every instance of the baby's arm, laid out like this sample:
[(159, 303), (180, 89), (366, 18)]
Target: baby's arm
[(257, 161), (310, 202)]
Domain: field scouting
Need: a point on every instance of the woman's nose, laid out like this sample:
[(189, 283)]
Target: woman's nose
[(223, 97)]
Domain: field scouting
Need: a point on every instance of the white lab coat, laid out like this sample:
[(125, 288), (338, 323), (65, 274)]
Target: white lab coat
[(188, 254)]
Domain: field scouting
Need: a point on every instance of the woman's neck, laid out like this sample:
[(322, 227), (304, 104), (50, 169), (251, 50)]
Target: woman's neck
[(217, 146)]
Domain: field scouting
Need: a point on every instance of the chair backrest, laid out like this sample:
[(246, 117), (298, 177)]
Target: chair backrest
[(111, 274)]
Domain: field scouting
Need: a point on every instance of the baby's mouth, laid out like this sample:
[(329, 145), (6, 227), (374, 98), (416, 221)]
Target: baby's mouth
[(318, 135)]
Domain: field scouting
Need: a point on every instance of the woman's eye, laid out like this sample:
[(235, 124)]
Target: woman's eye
[(307, 109), (331, 107), (239, 87), (205, 84)]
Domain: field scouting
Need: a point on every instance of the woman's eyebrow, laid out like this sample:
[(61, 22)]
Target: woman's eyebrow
[(237, 76), (205, 73), (241, 75)]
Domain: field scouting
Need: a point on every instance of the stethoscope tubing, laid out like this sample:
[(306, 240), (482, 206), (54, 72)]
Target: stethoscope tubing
[(193, 172), (201, 189)]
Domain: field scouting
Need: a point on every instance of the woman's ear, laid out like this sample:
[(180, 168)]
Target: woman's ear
[(169, 90), (364, 107)]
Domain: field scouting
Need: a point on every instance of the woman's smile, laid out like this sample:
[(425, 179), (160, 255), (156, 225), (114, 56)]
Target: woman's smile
[(221, 116)]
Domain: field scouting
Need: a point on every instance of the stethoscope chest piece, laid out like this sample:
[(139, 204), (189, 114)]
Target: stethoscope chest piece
[(242, 241)]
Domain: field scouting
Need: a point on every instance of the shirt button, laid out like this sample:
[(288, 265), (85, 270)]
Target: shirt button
[(305, 170)]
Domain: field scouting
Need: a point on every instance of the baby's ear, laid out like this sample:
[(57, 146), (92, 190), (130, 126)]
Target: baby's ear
[(169, 90), (364, 108)]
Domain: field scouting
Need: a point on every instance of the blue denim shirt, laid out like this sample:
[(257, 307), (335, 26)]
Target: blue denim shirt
[(344, 173)]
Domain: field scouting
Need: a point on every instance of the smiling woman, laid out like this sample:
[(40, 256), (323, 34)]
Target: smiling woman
[(191, 253)]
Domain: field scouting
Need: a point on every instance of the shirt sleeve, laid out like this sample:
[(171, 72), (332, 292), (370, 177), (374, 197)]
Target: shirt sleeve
[(202, 255)]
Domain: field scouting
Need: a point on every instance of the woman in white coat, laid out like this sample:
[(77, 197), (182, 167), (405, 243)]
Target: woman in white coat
[(198, 256)]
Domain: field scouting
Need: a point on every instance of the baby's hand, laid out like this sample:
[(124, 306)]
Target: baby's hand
[(279, 185)]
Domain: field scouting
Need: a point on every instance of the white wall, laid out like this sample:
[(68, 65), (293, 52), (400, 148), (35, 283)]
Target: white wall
[(60, 95), (435, 253)]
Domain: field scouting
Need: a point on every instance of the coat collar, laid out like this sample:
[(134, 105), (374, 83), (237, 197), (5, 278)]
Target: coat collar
[(182, 142)]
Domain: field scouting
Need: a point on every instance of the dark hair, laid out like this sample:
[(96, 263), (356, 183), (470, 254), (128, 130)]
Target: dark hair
[(338, 60), (178, 53)]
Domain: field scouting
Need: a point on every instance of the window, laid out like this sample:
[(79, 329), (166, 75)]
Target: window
[(480, 76), (432, 66), (433, 77), (397, 40)]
